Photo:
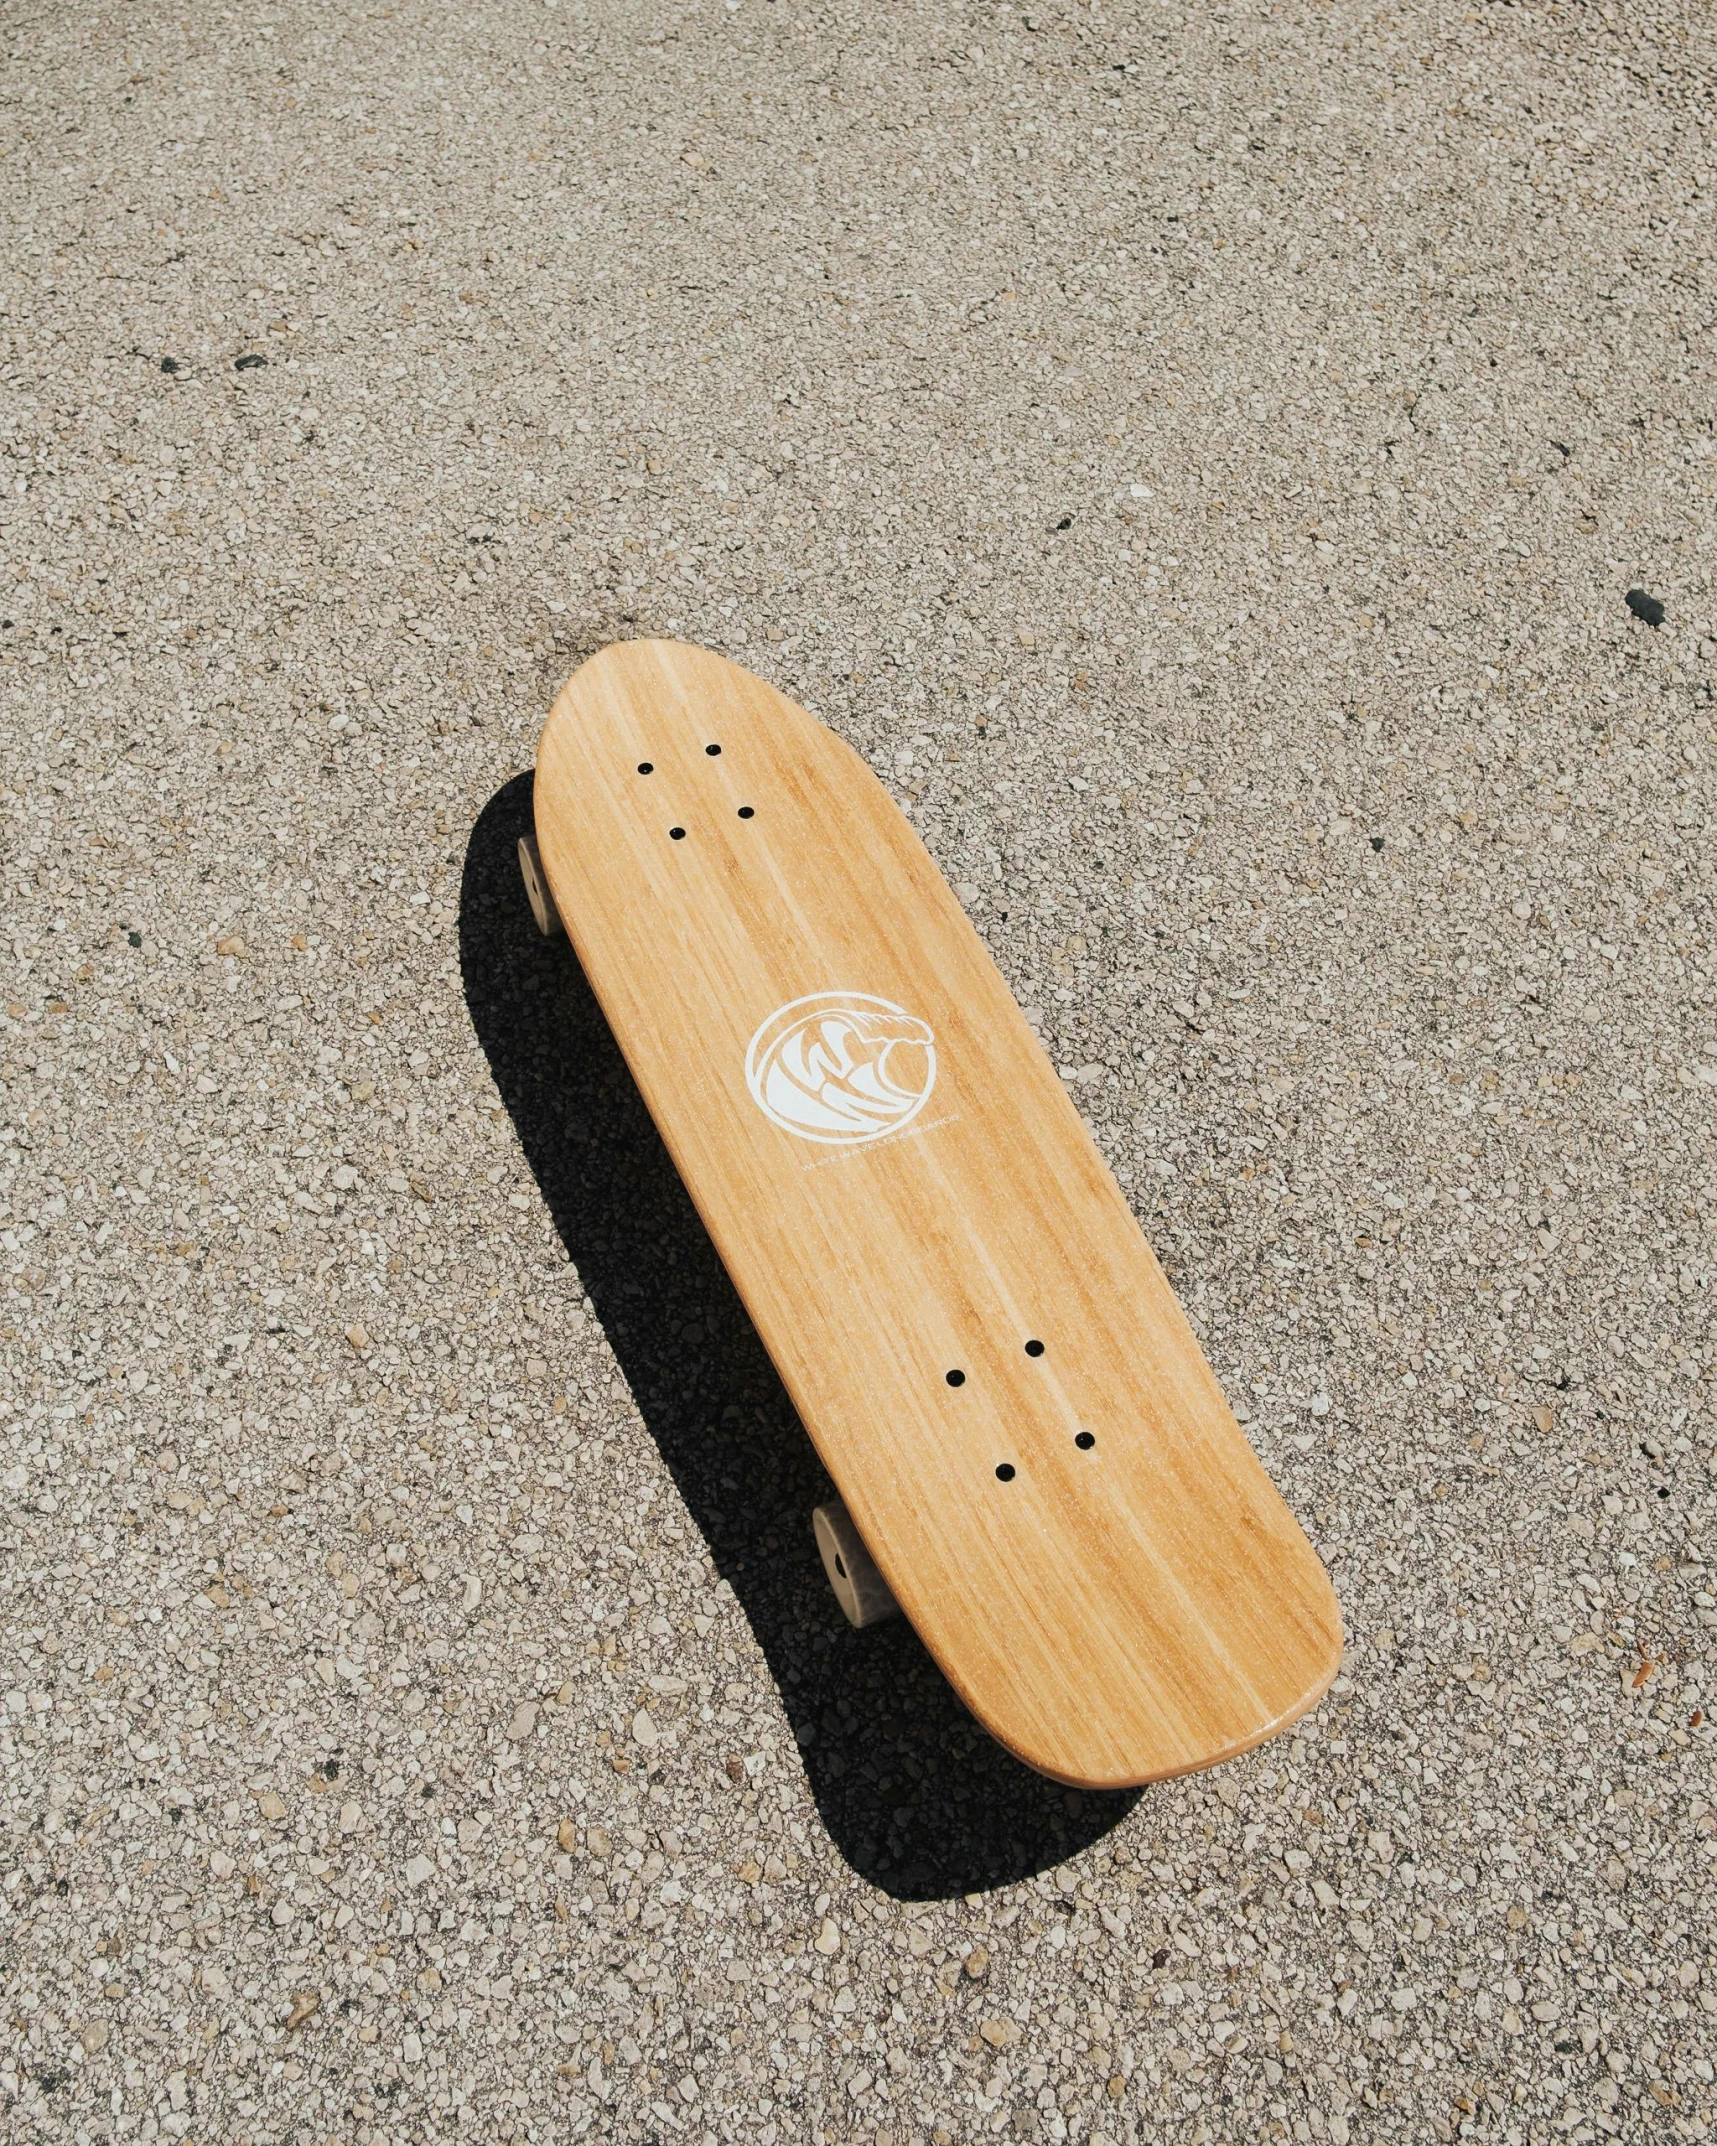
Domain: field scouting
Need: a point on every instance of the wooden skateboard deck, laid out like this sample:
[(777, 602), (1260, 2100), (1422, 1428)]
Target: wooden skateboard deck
[(957, 1297)]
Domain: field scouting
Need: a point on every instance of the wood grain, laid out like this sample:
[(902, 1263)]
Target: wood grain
[(1121, 1609)]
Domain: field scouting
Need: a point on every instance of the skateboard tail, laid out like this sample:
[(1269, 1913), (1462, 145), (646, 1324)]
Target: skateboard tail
[(1101, 1776), (1152, 1724)]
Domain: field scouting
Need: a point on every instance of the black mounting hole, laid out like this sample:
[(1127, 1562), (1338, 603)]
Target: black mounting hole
[(676, 834), (746, 812), (956, 1378), (1005, 1473), (712, 750), (839, 1566), (1034, 1348), (1084, 1441), (646, 767)]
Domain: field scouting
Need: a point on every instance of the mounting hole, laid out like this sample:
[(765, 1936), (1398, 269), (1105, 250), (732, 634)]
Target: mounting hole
[(676, 834), (840, 1565), (712, 750), (1034, 1348), (956, 1378), (646, 767), (746, 812), (1085, 1440), (1005, 1473)]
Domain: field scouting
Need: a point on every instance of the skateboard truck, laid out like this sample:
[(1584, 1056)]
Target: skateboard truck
[(859, 1588)]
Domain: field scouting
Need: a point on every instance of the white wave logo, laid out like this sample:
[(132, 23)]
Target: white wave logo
[(841, 1067)]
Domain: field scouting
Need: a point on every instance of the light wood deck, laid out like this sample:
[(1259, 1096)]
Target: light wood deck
[(957, 1296)]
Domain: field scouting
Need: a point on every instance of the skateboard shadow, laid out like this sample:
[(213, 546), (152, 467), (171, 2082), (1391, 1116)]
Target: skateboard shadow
[(916, 1796)]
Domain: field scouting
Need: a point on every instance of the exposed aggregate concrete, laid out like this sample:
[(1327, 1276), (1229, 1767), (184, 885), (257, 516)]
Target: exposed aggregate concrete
[(1199, 455)]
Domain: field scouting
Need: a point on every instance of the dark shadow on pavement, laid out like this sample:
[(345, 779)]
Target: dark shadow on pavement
[(916, 1797)]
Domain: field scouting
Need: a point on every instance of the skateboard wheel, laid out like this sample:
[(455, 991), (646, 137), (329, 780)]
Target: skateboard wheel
[(859, 1588), (536, 889)]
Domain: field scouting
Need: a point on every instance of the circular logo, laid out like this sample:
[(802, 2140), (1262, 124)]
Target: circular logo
[(841, 1067)]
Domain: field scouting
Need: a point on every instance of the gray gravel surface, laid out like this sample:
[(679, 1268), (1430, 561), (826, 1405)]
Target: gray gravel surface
[(1199, 455)]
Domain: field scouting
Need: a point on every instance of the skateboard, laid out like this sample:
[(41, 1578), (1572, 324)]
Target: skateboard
[(1034, 1462)]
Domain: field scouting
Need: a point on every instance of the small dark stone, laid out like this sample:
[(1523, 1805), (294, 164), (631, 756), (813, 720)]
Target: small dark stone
[(1650, 608), (249, 362), (1377, 841), (1066, 522), (169, 365), (134, 938)]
